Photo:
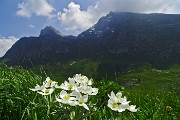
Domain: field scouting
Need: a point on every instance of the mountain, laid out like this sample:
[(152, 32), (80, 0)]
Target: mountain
[(117, 38), (51, 45), (50, 31), (136, 38)]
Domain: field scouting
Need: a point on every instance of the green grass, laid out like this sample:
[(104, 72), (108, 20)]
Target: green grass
[(15, 95), (153, 79), (152, 95), (61, 71)]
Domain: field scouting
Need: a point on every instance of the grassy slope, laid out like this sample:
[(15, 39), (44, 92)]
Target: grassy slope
[(61, 71), (143, 77), (155, 91)]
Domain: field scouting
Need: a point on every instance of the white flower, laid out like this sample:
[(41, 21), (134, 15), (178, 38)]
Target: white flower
[(84, 88), (119, 103), (46, 91), (94, 91), (90, 82), (49, 83), (71, 85), (123, 106), (82, 79), (37, 88), (66, 98), (132, 108), (113, 97), (81, 99), (47, 88), (113, 105)]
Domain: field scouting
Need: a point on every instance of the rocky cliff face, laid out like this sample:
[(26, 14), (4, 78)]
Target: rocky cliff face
[(130, 37)]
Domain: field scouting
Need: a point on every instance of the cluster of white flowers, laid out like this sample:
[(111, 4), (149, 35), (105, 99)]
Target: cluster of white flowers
[(76, 90), (119, 103), (47, 88)]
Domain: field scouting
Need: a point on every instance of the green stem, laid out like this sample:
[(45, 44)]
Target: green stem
[(98, 108), (48, 105), (27, 106)]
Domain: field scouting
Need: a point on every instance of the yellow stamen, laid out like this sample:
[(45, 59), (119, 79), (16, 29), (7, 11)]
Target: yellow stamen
[(70, 86), (51, 81), (67, 97), (81, 79), (115, 105), (47, 91), (81, 101)]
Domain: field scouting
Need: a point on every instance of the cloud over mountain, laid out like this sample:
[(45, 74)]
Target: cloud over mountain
[(74, 19), (6, 43)]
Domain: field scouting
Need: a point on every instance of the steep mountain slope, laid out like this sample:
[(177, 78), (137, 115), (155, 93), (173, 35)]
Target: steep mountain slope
[(137, 38), (48, 47)]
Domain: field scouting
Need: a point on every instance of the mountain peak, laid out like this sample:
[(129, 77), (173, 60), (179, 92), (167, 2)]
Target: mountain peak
[(50, 31)]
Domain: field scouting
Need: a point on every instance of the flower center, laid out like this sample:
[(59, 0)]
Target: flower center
[(81, 79), (70, 86), (67, 97), (47, 91), (83, 89), (81, 101), (115, 105), (51, 81)]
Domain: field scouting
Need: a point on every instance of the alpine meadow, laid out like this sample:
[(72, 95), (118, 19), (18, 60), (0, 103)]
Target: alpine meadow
[(126, 66)]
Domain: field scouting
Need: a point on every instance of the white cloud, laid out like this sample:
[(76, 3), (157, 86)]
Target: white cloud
[(37, 7), (75, 19), (24, 10), (6, 43), (31, 26)]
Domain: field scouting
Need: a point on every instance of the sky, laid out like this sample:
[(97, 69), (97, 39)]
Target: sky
[(20, 18)]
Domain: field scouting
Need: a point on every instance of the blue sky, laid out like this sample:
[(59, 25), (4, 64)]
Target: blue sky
[(19, 18), (19, 26)]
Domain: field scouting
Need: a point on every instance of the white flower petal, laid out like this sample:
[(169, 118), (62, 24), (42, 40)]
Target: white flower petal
[(121, 109), (46, 91), (110, 103), (117, 103), (85, 98), (57, 86), (66, 98), (63, 93), (73, 103), (74, 93), (78, 96), (85, 106), (112, 94), (119, 94), (124, 105), (94, 91), (53, 84), (51, 90), (37, 88), (132, 108), (90, 82)]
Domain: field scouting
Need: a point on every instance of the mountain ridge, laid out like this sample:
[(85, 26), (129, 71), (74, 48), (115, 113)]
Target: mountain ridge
[(128, 37), (49, 31)]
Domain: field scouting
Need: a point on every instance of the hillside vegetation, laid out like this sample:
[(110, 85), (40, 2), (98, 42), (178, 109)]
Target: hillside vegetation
[(154, 92)]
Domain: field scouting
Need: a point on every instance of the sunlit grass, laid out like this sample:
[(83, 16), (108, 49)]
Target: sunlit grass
[(18, 102)]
